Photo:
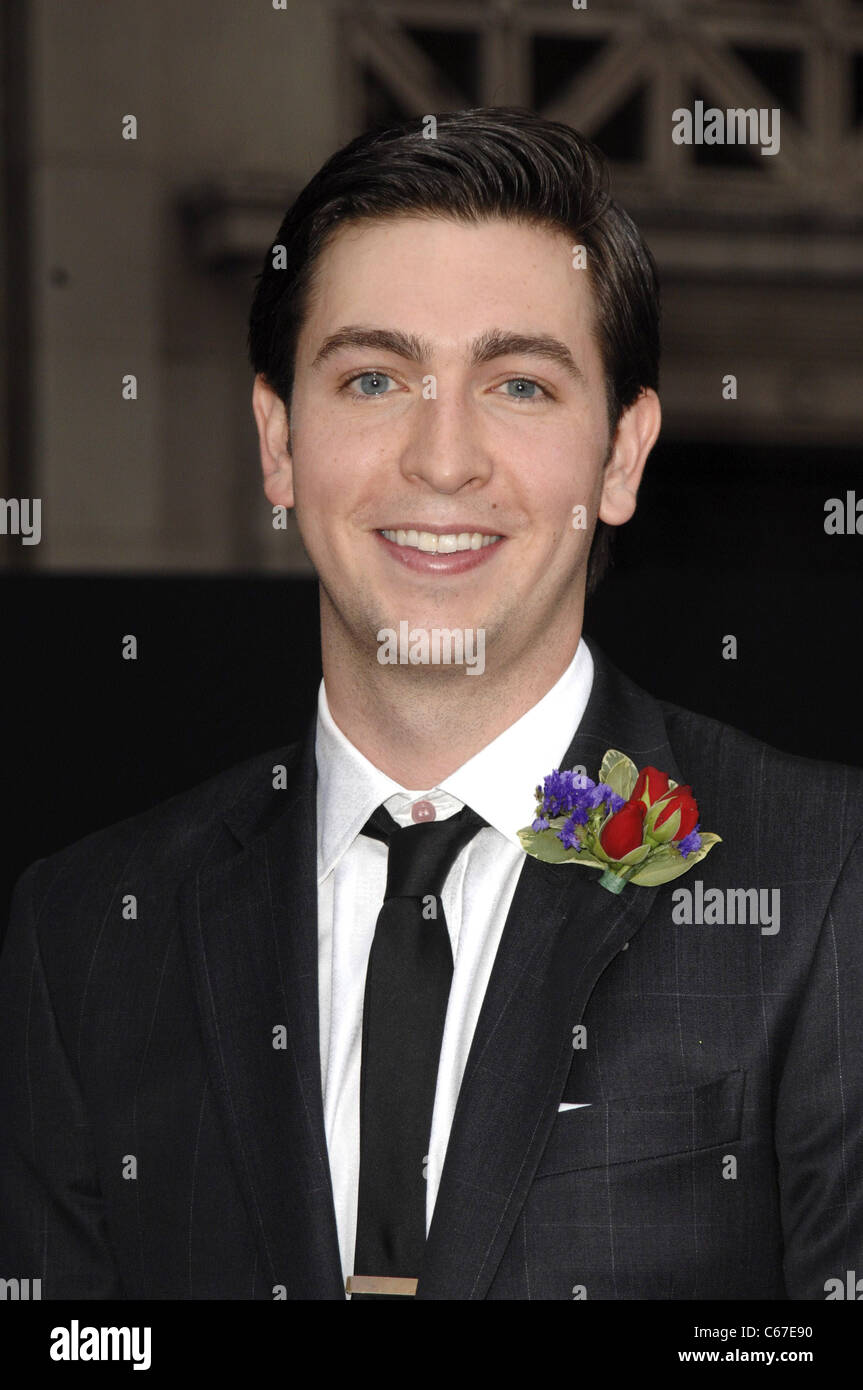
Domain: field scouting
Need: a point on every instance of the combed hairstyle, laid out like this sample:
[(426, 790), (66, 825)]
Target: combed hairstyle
[(490, 162)]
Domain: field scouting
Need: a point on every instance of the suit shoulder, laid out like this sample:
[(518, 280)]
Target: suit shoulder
[(174, 833), (753, 769)]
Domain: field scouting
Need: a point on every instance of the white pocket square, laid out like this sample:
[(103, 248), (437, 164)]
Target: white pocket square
[(572, 1105)]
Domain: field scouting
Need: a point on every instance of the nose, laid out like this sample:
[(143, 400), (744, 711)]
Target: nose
[(444, 447)]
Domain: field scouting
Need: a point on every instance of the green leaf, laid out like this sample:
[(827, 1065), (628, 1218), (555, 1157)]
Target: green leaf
[(586, 860), (635, 856), (670, 863), (619, 772), (543, 845), (548, 848)]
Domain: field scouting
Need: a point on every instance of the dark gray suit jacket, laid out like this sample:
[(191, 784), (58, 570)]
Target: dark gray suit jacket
[(155, 1144)]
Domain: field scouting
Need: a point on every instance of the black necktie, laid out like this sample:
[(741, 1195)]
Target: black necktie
[(404, 1010)]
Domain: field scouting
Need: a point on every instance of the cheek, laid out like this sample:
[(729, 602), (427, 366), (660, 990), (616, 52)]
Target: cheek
[(565, 481), (323, 469)]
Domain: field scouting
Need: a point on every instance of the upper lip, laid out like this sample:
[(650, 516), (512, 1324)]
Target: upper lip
[(454, 529)]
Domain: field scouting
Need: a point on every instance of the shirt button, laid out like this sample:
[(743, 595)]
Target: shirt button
[(422, 811)]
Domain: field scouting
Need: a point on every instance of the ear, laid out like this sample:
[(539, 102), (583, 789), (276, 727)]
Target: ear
[(271, 419), (634, 438)]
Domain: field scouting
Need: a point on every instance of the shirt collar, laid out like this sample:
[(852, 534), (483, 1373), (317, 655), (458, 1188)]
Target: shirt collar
[(497, 782)]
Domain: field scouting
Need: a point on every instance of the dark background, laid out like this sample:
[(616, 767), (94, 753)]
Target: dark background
[(725, 540)]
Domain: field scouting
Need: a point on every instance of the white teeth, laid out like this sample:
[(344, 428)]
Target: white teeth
[(433, 544)]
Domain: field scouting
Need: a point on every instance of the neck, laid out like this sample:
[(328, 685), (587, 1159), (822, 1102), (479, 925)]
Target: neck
[(419, 723)]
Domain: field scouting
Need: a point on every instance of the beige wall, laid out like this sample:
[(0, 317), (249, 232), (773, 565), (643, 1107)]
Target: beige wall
[(169, 480)]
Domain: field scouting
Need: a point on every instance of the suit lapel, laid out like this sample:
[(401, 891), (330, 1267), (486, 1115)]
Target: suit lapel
[(249, 920), (561, 931), (250, 926)]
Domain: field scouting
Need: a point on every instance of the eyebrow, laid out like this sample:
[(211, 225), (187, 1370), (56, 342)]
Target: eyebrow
[(494, 343)]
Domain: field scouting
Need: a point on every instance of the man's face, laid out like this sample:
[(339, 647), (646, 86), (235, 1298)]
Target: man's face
[(448, 381)]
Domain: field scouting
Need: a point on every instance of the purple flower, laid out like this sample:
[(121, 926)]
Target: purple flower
[(602, 792), (567, 835), (540, 823), (690, 843), (562, 792)]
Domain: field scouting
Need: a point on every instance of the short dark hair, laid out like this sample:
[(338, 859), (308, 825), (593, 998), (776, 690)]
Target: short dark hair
[(483, 163)]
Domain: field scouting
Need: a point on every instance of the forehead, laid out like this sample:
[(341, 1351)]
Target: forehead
[(449, 280)]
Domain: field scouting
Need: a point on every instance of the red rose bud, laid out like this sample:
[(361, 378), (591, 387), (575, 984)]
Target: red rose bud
[(674, 816), (624, 830), (650, 785)]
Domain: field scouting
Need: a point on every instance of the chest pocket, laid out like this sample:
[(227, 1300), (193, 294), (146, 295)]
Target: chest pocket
[(626, 1129)]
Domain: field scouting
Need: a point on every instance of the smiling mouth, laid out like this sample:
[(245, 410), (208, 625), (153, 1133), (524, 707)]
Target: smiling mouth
[(445, 544)]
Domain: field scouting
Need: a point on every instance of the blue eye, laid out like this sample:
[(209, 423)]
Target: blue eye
[(371, 383), (526, 390)]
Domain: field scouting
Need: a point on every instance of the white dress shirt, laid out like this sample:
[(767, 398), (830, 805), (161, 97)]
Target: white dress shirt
[(498, 783)]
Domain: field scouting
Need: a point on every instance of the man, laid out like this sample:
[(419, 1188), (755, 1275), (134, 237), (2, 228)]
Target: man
[(253, 1044)]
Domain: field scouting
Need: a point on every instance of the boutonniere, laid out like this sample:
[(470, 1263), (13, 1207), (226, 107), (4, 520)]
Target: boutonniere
[(638, 827)]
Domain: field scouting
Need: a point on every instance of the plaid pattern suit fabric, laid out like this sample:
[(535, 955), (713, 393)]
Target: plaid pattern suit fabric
[(161, 1123)]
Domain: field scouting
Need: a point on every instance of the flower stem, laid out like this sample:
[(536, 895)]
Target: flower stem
[(613, 882)]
